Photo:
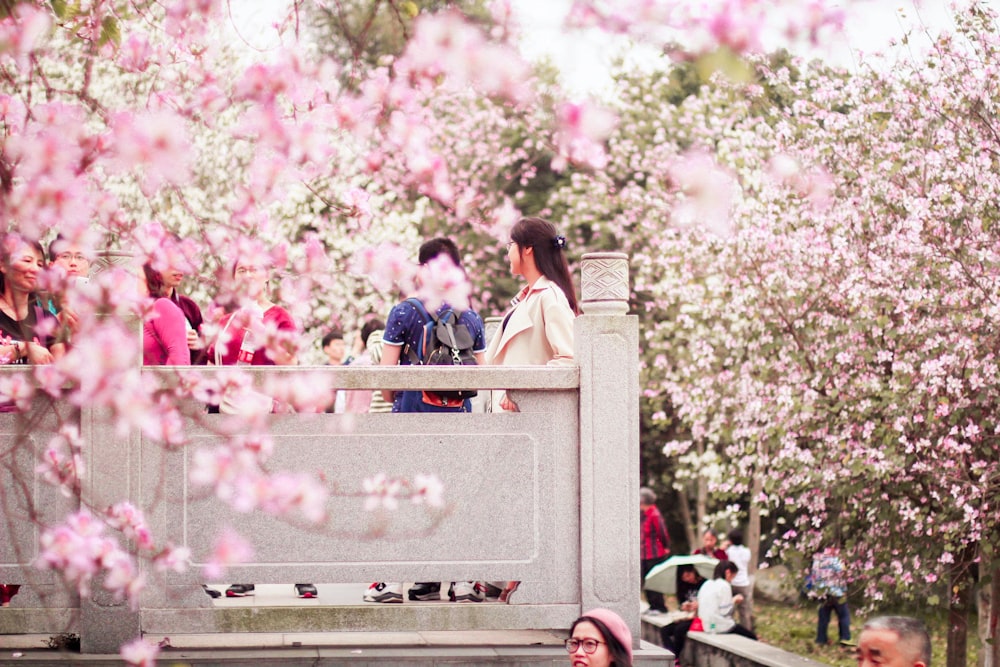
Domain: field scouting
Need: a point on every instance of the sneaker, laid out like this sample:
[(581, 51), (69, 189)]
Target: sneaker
[(470, 591), (383, 592), (424, 591), (306, 591), (239, 590), (493, 591), (212, 593)]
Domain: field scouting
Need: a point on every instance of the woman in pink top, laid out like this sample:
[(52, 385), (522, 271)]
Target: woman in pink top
[(164, 330)]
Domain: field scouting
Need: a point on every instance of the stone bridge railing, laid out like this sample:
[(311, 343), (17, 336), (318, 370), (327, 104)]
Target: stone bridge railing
[(547, 496)]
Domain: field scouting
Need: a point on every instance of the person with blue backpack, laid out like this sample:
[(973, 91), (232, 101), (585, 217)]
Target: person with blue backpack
[(414, 336)]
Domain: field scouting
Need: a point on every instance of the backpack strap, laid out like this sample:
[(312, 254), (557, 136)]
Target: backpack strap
[(417, 358)]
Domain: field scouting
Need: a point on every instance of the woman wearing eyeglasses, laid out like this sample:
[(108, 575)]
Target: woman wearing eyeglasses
[(538, 330), (600, 638), (251, 278)]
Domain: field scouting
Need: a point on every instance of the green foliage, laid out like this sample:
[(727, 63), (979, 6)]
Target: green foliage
[(363, 32), (110, 32), (793, 628)]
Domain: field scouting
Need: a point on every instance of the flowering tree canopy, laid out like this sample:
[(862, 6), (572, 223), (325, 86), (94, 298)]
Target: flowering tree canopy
[(138, 127)]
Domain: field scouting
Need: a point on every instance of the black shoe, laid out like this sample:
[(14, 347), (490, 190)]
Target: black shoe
[(492, 592), (239, 590), (212, 593), (424, 591), (306, 591)]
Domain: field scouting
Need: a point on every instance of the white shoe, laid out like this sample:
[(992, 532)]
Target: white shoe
[(469, 591), (383, 592)]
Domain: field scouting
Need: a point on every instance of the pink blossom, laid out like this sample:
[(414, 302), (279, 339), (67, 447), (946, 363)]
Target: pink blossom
[(158, 142), (230, 549), (707, 192), (446, 44), (441, 282), (140, 653), (22, 33), (428, 490), (135, 53), (122, 576), (129, 519), (284, 493), (62, 462), (582, 130), (381, 492), (387, 266), (172, 559), (17, 388)]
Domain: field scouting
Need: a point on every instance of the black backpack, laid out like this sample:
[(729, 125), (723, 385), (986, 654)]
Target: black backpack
[(443, 342)]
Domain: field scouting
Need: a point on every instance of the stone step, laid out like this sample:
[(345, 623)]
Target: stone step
[(403, 649)]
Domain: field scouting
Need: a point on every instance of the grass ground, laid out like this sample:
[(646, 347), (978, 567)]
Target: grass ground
[(793, 628)]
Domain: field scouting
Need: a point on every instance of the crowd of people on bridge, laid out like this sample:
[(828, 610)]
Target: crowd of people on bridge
[(36, 328)]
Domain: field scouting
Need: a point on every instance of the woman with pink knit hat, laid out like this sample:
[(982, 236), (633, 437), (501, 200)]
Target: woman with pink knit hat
[(600, 638)]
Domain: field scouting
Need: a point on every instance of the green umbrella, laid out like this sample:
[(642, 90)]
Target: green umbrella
[(663, 577)]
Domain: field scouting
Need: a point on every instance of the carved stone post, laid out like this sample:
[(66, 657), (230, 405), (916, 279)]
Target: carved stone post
[(607, 350), (113, 470)]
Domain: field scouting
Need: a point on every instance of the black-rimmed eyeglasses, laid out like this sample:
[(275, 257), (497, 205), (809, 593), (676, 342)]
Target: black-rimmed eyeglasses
[(589, 645)]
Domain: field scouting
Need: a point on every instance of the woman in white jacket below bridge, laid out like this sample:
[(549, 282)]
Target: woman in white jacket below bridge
[(538, 329), (716, 601)]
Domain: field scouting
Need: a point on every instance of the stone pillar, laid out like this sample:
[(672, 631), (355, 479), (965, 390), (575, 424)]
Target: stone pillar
[(113, 462), (106, 623), (607, 351)]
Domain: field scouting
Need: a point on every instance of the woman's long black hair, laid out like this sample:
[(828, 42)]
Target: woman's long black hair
[(541, 235)]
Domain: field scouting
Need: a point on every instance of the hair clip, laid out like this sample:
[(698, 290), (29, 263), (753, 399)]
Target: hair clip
[(559, 242)]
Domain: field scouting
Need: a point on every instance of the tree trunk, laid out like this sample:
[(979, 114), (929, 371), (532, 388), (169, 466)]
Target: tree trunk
[(991, 643), (701, 503), (689, 526), (958, 610), (753, 524), (983, 613)]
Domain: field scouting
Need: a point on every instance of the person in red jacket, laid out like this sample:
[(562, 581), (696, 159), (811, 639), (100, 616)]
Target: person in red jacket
[(655, 544), (710, 545)]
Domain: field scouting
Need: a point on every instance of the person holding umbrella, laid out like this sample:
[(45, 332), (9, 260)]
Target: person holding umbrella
[(674, 635)]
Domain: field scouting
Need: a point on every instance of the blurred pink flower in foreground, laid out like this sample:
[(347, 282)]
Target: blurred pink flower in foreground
[(387, 266), (80, 550), (707, 193), (381, 492), (427, 490), (140, 653), (158, 142), (441, 282), (580, 135), (229, 549), (22, 33)]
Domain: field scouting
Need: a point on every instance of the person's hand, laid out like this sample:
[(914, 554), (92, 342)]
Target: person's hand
[(738, 598), (68, 319), (37, 354), (508, 405), (194, 340)]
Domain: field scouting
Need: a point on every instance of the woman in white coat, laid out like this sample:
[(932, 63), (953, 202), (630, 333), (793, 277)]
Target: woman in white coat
[(538, 330)]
